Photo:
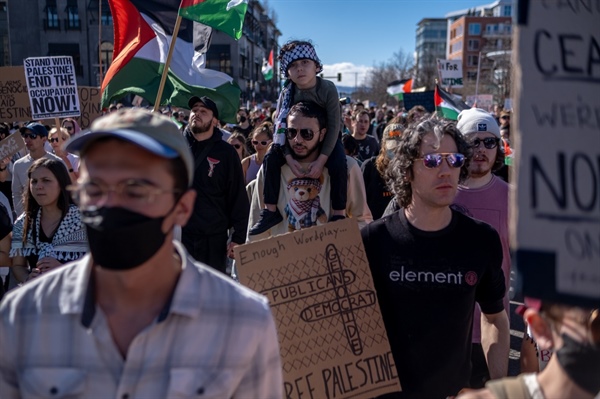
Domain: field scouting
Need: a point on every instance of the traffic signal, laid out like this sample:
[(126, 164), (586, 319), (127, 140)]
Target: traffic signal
[(339, 76)]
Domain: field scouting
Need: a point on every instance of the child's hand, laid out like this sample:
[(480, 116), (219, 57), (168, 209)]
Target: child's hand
[(296, 168), (315, 170)]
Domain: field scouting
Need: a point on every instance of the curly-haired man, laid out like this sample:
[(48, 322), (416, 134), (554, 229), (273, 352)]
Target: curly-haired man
[(431, 264)]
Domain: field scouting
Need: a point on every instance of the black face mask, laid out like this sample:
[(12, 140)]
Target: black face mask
[(121, 239), (581, 362), (242, 119)]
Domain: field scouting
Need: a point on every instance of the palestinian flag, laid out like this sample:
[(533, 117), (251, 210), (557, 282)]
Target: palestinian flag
[(397, 87), (267, 68), (446, 106), (224, 15), (142, 35)]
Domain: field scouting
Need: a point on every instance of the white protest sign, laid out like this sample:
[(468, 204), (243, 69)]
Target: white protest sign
[(451, 73), (482, 101), (556, 218), (52, 87)]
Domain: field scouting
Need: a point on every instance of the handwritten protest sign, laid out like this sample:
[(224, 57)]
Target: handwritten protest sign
[(557, 151), (14, 100), (332, 338), (450, 73), (11, 145), (483, 101), (52, 87)]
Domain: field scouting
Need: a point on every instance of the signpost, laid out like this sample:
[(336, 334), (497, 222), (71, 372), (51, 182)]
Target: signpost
[(556, 223)]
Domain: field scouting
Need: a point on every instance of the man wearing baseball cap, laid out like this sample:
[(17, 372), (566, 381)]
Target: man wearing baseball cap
[(484, 196), (137, 317), (221, 202), (35, 136)]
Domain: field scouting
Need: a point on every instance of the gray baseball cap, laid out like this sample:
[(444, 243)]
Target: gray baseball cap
[(149, 130)]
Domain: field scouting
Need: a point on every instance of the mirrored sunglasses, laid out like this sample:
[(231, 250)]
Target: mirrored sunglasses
[(488, 142), (256, 142), (434, 160), (306, 134)]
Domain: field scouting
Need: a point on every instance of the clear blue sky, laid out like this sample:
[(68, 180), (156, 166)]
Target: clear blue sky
[(351, 35)]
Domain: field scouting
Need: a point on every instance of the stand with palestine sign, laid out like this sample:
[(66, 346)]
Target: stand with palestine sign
[(556, 209), (52, 87)]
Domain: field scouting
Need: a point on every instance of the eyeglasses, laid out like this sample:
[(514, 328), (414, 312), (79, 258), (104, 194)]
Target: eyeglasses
[(306, 134), (31, 136), (434, 160), (505, 117), (237, 146), (488, 142), (256, 142), (54, 140), (132, 193)]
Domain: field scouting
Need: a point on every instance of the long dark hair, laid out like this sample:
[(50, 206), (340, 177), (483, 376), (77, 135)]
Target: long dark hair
[(59, 170)]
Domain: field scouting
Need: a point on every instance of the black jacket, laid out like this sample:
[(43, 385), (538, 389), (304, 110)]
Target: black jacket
[(221, 200)]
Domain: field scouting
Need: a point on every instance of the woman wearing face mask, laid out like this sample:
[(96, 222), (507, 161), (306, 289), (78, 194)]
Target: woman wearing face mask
[(49, 232), (57, 138), (373, 169), (261, 138), (238, 141)]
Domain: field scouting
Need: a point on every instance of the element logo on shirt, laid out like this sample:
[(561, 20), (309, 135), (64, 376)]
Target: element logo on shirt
[(211, 165)]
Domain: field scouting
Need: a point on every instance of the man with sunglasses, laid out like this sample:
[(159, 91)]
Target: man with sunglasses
[(35, 136), (306, 127), (221, 201), (432, 264), (484, 196)]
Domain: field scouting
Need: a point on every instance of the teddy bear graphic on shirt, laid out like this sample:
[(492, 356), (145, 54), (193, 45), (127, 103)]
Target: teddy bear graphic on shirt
[(304, 206)]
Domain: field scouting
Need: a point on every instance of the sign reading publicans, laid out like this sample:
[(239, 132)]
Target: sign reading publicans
[(556, 218), (52, 87), (331, 335)]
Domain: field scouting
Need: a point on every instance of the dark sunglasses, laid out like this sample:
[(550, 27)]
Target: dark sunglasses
[(432, 161), (488, 142), (256, 142), (31, 136), (54, 140), (306, 134), (237, 146), (505, 117), (69, 127)]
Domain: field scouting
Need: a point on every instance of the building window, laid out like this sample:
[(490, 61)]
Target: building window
[(457, 46), (106, 17), (218, 57), (106, 52), (473, 44), (474, 28), (472, 76), (72, 22), (51, 21), (459, 30), (71, 49), (507, 11), (472, 60)]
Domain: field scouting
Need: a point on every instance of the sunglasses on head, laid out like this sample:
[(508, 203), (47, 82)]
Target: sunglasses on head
[(54, 140), (488, 142), (256, 142), (434, 160), (32, 136), (306, 134)]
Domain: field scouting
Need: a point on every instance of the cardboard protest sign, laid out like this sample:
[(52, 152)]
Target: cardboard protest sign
[(424, 98), (450, 73), (12, 144), (14, 100), (331, 334), (556, 225), (483, 101), (52, 87)]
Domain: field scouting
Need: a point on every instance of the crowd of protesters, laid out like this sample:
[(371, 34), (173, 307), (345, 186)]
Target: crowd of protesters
[(430, 195)]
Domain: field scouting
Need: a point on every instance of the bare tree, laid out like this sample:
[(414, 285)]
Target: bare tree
[(400, 66)]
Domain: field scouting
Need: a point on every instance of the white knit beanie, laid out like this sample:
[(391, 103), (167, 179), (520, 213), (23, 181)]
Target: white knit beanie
[(476, 120)]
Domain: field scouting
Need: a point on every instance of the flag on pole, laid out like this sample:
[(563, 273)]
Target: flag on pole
[(397, 87), (267, 68), (142, 35), (224, 15), (446, 106)]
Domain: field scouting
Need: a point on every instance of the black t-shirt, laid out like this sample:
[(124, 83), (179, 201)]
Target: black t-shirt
[(378, 193), (427, 284)]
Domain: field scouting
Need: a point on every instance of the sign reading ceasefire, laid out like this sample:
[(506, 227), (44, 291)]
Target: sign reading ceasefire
[(331, 334)]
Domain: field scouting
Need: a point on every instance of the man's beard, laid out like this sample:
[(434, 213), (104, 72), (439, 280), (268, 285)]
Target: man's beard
[(480, 169), (309, 152), (196, 128)]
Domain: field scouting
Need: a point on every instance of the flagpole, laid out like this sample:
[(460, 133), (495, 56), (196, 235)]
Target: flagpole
[(163, 78), (477, 81), (100, 41)]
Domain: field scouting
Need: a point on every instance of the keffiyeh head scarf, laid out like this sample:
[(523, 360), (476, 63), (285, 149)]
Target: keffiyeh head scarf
[(301, 51)]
